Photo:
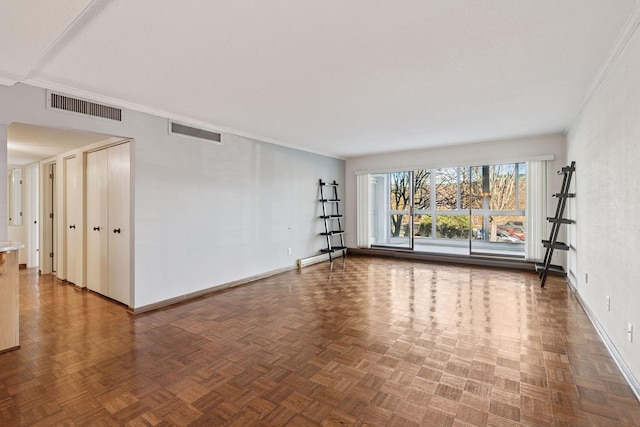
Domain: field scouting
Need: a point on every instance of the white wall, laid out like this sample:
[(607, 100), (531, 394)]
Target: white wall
[(204, 214), (215, 214), (492, 152), (605, 143)]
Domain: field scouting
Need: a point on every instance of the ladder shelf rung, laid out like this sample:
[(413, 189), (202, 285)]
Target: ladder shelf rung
[(329, 200), (557, 245), (565, 195), (331, 216), (332, 233), (566, 169), (560, 220), (333, 249)]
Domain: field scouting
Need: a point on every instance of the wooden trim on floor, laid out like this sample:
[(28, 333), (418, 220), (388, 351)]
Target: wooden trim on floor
[(7, 350)]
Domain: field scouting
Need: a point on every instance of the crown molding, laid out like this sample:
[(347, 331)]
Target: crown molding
[(625, 35), (5, 81), (44, 84)]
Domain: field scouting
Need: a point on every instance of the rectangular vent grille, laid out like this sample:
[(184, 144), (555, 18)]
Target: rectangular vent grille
[(184, 130), (82, 106)]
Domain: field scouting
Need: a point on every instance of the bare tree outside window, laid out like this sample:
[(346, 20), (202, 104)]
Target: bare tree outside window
[(422, 189), (401, 196), (447, 189), (502, 179)]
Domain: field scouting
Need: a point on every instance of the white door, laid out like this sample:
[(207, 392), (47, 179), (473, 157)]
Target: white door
[(33, 195), (73, 258), (53, 219), (97, 227), (119, 227)]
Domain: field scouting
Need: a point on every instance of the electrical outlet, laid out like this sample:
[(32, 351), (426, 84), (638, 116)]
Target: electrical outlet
[(608, 303), (289, 251), (630, 331)]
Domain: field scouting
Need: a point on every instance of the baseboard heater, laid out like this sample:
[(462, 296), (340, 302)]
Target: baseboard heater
[(303, 262)]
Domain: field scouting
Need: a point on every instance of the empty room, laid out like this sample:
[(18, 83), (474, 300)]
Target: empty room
[(300, 213)]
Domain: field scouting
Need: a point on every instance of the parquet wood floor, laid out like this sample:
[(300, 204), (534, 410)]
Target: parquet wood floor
[(373, 341)]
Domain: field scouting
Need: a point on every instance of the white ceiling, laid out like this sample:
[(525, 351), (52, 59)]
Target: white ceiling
[(340, 77)]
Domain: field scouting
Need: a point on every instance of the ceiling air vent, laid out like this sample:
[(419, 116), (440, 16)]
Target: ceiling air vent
[(56, 101), (192, 132)]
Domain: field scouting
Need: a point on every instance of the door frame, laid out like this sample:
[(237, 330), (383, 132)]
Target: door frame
[(48, 216), (388, 212)]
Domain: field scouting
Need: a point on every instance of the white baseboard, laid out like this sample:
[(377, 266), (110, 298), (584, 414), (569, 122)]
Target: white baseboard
[(617, 358), (223, 286), (181, 298)]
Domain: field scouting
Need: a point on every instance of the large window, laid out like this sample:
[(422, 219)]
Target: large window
[(456, 210)]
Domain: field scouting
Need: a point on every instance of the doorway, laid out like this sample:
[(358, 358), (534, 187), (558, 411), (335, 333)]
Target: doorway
[(38, 152)]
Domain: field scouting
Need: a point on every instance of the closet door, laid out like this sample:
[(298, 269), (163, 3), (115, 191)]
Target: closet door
[(119, 231), (97, 226), (73, 254)]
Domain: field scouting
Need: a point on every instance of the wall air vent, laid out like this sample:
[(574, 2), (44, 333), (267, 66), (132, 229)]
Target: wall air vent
[(179, 129), (56, 101)]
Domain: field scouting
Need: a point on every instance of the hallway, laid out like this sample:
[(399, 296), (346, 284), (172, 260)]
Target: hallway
[(373, 341)]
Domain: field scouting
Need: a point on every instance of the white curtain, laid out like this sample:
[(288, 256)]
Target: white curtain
[(363, 211), (536, 211)]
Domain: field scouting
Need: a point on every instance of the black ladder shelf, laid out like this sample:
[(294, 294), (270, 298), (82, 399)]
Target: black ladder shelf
[(332, 218), (545, 267)]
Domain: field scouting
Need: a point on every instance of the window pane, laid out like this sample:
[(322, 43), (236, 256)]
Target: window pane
[(503, 187), (422, 189), (475, 187), (400, 226), (399, 191), (422, 226), (465, 189), (508, 229), (446, 189), (477, 227), (452, 227), (522, 186)]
